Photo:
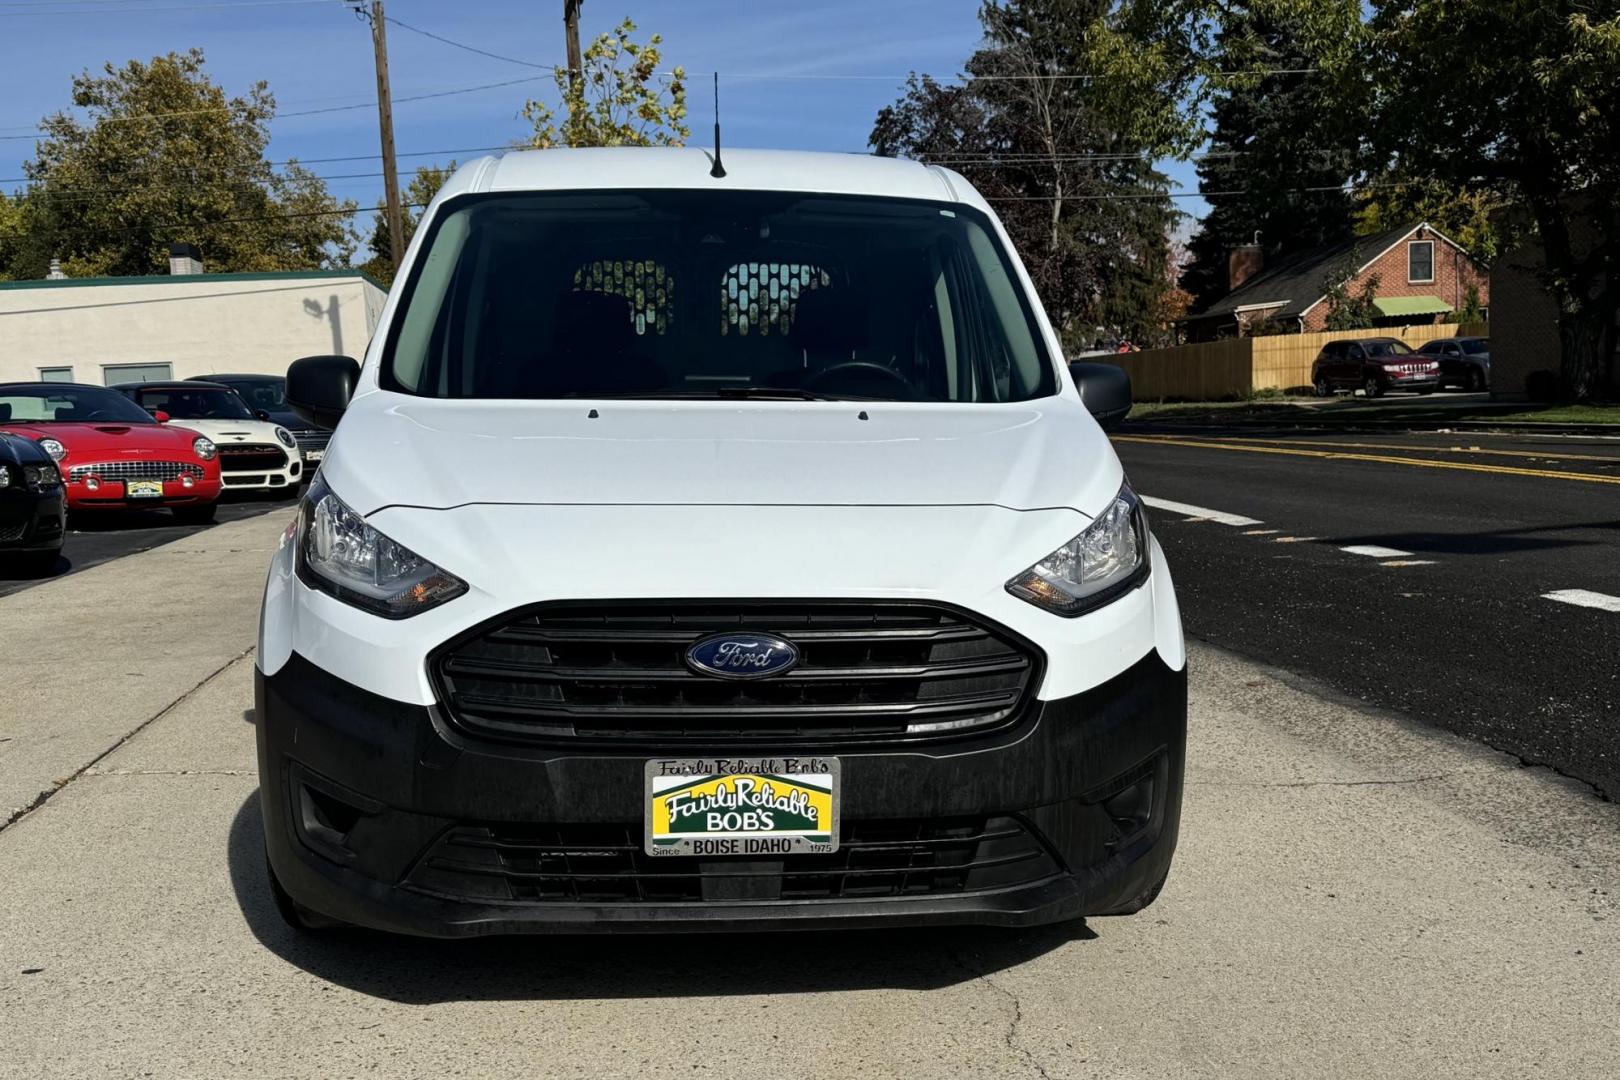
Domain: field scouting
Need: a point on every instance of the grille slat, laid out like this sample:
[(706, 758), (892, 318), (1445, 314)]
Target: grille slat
[(137, 470), (251, 457), (617, 674), (605, 864)]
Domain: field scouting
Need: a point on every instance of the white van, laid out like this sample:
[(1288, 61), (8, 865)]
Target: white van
[(715, 548)]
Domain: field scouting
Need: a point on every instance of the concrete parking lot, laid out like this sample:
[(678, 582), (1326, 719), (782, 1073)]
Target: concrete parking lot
[(1355, 895)]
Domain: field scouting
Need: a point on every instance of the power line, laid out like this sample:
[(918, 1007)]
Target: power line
[(469, 48), (183, 226), (38, 132), (101, 8)]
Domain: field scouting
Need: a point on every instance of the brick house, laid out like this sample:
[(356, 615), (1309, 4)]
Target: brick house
[(1423, 277)]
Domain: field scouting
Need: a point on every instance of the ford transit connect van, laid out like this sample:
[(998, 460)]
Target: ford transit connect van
[(715, 551)]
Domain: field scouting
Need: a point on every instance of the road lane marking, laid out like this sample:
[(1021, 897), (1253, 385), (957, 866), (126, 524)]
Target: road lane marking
[(1502, 470), (1407, 562), (1374, 551), (1218, 516), (1554, 455), (1584, 598), (1261, 532), (1295, 539)]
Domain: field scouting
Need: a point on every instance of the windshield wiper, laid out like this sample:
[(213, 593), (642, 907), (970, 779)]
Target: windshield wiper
[(739, 393)]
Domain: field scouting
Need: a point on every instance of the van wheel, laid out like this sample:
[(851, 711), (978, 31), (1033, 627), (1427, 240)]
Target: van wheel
[(293, 913), (1372, 388), (196, 515), (1323, 387)]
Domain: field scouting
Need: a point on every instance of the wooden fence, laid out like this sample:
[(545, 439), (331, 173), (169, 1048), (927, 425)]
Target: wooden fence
[(1237, 367)]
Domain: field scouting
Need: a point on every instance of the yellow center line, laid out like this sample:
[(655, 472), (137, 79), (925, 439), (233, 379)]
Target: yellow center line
[(1549, 456), (1501, 470)]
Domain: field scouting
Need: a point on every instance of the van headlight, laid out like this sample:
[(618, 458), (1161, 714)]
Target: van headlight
[(1100, 565), (342, 556)]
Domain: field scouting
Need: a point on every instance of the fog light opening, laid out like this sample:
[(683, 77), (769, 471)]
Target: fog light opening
[(1132, 809)]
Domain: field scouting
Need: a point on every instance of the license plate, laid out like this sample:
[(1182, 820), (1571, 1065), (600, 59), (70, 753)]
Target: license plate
[(314, 455), (741, 806), (143, 489)]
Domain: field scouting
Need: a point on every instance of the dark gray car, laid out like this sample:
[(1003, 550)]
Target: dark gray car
[(1465, 362)]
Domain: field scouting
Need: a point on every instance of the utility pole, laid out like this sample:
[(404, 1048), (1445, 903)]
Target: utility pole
[(576, 63), (385, 121)]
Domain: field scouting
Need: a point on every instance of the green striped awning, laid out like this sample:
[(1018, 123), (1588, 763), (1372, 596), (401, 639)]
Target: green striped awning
[(1410, 305)]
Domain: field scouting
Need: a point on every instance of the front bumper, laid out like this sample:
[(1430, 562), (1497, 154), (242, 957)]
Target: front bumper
[(287, 477), (32, 520), (110, 495), (357, 790)]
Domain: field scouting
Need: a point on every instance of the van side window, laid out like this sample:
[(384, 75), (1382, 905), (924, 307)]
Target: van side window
[(761, 298), (648, 285)]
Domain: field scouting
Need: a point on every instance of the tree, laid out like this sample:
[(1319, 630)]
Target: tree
[(1076, 186), (418, 193), (1287, 143), (1468, 216), (622, 100), (1528, 104), (1347, 310), (166, 156)]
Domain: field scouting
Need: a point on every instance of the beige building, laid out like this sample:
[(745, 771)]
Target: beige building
[(109, 330)]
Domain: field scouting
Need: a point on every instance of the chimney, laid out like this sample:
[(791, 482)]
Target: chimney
[(184, 260), (1243, 263)]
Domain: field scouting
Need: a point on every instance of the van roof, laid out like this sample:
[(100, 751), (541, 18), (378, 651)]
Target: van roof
[(607, 168)]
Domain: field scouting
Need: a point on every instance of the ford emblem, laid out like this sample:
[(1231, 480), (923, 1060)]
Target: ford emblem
[(742, 656)]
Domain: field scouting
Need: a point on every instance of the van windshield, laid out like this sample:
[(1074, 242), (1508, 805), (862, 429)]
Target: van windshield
[(674, 294)]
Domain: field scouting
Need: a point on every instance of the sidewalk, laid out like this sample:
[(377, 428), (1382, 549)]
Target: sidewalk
[(93, 657)]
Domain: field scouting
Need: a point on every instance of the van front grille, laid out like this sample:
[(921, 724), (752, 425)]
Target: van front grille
[(616, 674), (606, 864)]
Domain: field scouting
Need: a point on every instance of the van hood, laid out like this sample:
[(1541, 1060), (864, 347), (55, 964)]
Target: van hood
[(396, 450)]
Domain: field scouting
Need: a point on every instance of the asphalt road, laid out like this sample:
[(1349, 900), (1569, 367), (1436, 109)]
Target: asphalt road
[(1354, 896), (96, 538), (1452, 625)]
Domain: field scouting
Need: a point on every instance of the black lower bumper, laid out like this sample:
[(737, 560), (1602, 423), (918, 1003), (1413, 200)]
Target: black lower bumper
[(32, 521), (1074, 811)]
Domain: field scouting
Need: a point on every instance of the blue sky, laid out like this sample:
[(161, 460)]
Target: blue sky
[(316, 54)]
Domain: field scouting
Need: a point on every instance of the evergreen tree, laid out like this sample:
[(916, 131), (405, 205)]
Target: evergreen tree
[(1274, 139), (1074, 185)]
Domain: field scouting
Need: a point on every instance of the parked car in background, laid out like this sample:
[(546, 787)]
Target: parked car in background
[(266, 395), (254, 454), (33, 516), (1465, 362), (112, 454), (1375, 366)]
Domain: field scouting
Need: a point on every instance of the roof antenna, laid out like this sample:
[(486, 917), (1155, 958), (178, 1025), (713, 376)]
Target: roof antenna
[(718, 171)]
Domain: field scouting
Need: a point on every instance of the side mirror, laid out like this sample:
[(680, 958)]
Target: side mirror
[(1105, 389), (160, 416), (319, 388)]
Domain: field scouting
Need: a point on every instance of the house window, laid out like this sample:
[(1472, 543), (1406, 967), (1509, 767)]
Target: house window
[(1420, 262), (122, 373), (760, 298), (55, 374)]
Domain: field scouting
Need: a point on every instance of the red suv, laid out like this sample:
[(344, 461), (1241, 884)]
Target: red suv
[(112, 454), (1374, 366)]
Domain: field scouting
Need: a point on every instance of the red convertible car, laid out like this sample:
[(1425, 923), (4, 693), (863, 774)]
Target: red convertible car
[(111, 452)]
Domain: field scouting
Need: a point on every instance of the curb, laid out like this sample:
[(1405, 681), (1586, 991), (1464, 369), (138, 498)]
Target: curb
[(1509, 427)]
